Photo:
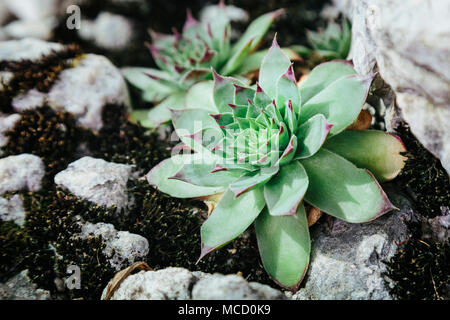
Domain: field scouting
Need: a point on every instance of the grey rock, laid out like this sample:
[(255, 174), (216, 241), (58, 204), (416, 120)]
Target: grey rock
[(20, 287), (181, 284), (122, 248), (409, 44), (232, 287), (31, 49), (85, 89), (21, 29), (22, 172), (108, 31), (96, 180), (29, 100), (438, 228), (12, 210), (7, 122), (346, 261), (4, 12), (32, 9)]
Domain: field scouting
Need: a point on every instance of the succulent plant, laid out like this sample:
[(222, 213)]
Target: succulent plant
[(186, 58), (263, 151), (332, 43)]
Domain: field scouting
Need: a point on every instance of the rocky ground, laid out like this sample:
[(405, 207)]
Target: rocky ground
[(71, 164)]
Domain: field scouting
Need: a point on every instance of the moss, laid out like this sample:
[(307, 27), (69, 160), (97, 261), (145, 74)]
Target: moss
[(46, 133), (40, 74), (172, 227), (124, 142), (421, 270), (424, 177)]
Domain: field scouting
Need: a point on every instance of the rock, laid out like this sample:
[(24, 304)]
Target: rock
[(29, 100), (21, 29), (85, 89), (232, 287), (31, 49), (122, 248), (209, 13), (410, 45), (4, 12), (32, 9), (347, 262), (108, 31), (20, 287), (22, 172), (12, 210), (6, 124), (181, 284), (438, 228), (96, 180)]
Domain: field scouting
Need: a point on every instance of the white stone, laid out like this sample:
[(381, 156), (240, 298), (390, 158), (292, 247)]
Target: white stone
[(410, 45), (20, 287), (86, 88), (98, 181), (122, 248), (108, 31), (29, 100), (22, 172), (12, 210), (32, 49), (21, 29), (32, 9), (7, 122)]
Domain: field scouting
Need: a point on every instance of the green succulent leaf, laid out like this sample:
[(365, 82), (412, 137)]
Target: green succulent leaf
[(284, 246), (340, 102), (236, 59), (322, 76), (160, 174), (201, 174), (200, 96), (224, 90), (339, 188), (153, 90), (253, 61), (256, 31), (377, 151), (273, 66), (252, 180), (311, 136), (287, 92), (231, 217), (285, 191)]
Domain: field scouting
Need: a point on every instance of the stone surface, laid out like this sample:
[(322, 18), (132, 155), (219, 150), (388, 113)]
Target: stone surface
[(122, 248), (410, 45), (108, 31), (22, 172), (32, 49), (20, 287), (21, 29), (232, 287), (96, 180), (346, 261), (181, 284), (32, 9), (438, 228), (7, 122), (12, 210), (29, 100), (85, 89)]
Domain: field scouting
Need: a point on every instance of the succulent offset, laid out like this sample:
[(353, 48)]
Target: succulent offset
[(186, 58), (263, 151)]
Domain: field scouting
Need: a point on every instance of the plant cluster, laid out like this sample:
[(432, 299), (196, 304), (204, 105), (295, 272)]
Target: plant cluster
[(264, 150)]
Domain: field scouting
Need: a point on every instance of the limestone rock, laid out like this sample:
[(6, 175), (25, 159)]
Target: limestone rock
[(122, 248), (181, 284), (410, 45), (96, 180), (346, 261), (12, 210), (22, 172), (7, 122), (31, 49), (20, 287)]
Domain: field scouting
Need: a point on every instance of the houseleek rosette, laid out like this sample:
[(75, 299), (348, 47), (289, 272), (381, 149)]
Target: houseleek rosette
[(270, 148), (185, 59)]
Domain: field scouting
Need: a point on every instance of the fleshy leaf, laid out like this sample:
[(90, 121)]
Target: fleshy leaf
[(340, 102), (311, 136), (236, 59), (322, 76), (376, 151), (286, 190), (158, 177), (256, 30), (200, 175), (253, 61), (287, 91), (223, 91), (153, 90), (273, 66), (231, 217), (200, 96), (252, 180), (284, 245), (339, 188)]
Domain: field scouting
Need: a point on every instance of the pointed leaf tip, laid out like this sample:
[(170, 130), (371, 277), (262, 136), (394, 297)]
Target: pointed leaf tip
[(204, 252), (190, 20), (275, 42), (217, 77), (290, 73)]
